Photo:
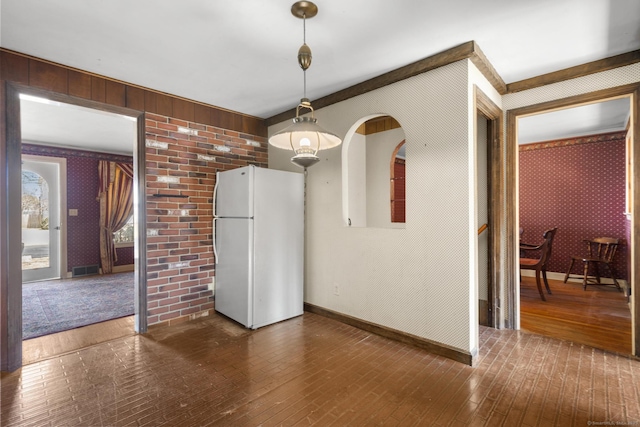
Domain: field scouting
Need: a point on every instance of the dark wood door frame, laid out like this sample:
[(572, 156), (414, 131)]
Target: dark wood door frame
[(495, 172), (633, 92), (11, 289)]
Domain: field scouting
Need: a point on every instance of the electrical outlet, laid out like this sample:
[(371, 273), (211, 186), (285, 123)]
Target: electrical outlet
[(336, 289)]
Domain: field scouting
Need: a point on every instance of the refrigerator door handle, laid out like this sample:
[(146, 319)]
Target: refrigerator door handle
[(215, 192), (215, 250)]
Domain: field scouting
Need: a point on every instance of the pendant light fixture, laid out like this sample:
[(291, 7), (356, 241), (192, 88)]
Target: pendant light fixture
[(305, 137)]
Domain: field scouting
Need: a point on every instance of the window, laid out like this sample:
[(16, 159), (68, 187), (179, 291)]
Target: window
[(35, 201), (124, 236)]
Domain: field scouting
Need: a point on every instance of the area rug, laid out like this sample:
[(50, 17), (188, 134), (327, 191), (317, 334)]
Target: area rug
[(58, 305)]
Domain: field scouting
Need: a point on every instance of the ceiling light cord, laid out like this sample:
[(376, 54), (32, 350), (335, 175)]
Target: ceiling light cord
[(304, 42)]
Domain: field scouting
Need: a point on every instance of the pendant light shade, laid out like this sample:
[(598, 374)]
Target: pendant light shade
[(305, 137), (304, 132)]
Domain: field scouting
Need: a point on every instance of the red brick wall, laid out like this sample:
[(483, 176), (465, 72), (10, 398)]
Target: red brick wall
[(578, 185), (182, 158)]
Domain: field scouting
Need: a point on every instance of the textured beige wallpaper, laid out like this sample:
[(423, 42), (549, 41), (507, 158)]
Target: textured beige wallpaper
[(421, 279)]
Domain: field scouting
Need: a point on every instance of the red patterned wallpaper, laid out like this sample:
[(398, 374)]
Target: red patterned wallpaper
[(578, 185), (126, 256), (83, 240)]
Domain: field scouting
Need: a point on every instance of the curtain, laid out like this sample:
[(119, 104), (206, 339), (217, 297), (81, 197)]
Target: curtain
[(115, 194)]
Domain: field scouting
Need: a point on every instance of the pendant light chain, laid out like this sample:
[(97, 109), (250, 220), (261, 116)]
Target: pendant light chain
[(304, 41)]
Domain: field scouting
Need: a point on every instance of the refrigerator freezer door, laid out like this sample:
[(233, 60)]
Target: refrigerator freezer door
[(234, 193), (234, 269), (279, 246)]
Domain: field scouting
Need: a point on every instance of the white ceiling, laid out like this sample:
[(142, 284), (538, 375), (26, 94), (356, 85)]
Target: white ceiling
[(242, 55), (602, 117), (72, 126)]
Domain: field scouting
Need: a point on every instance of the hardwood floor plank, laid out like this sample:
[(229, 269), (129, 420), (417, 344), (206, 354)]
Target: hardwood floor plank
[(313, 370), (48, 346), (598, 316)]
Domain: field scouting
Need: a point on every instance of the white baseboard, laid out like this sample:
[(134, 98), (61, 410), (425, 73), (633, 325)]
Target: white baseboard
[(123, 268)]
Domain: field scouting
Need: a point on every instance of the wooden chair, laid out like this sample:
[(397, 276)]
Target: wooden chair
[(600, 251), (539, 264), (520, 241)]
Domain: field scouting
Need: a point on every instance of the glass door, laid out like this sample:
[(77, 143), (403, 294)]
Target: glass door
[(41, 222)]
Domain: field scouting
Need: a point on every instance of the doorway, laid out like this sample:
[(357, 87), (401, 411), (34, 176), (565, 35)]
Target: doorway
[(572, 177), (43, 230), (489, 190), (483, 190), (629, 92), (12, 301)]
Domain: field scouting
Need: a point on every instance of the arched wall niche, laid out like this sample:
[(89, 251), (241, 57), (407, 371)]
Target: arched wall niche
[(368, 147)]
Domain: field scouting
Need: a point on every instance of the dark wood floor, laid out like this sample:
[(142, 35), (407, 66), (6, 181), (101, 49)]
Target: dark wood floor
[(598, 316), (316, 371), (47, 346)]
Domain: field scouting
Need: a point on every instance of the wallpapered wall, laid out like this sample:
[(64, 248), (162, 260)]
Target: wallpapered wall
[(83, 240), (402, 278), (578, 185)]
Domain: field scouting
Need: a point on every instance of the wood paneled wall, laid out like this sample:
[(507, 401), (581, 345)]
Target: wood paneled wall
[(57, 78), (379, 124), (33, 74)]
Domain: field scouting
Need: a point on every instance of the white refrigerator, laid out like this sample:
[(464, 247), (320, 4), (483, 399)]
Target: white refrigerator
[(258, 245)]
